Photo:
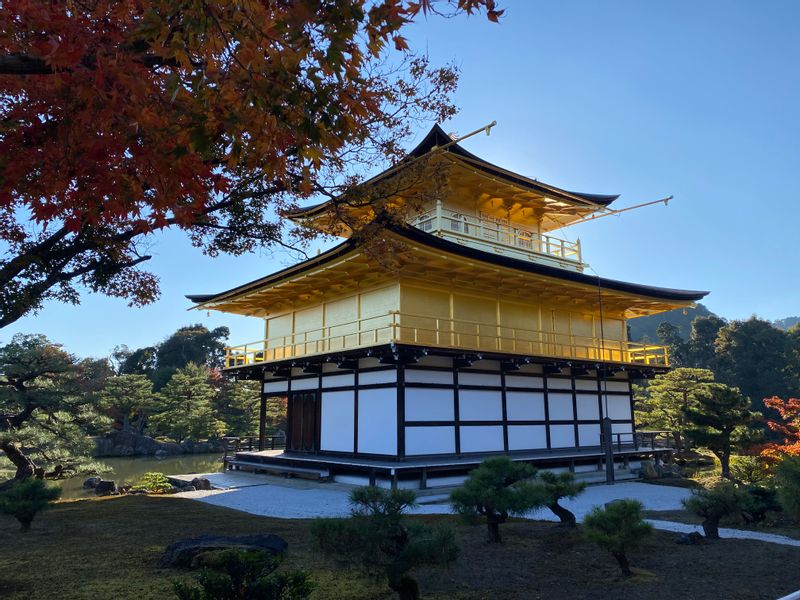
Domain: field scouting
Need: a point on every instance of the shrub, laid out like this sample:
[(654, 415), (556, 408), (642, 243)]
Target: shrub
[(787, 478), (757, 501), (377, 538), (243, 575), (618, 527), (497, 489), (154, 483), (26, 498), (749, 470), (557, 487), (712, 504)]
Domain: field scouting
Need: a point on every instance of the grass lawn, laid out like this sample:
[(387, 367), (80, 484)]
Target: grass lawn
[(108, 548)]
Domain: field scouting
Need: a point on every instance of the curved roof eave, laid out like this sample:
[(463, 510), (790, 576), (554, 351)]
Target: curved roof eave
[(438, 137), (416, 235)]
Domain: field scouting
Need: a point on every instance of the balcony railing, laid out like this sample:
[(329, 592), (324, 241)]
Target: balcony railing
[(443, 333), (501, 237)]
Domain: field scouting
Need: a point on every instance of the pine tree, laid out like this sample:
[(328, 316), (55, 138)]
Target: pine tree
[(618, 527), (185, 406)]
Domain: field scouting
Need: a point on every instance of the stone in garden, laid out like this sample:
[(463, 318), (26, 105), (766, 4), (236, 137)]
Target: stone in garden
[(648, 470), (690, 539), (91, 483), (200, 483), (184, 552), (105, 488)]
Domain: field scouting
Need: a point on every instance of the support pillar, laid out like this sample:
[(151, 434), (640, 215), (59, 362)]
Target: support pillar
[(262, 422), (608, 447)]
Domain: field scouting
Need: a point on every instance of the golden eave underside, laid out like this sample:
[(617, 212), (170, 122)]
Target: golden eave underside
[(360, 269), (472, 188)]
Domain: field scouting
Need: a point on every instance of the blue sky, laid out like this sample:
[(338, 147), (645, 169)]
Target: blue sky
[(695, 99)]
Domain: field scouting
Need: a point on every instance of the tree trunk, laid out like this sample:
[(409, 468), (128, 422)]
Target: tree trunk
[(725, 462), (711, 528), (26, 468), (405, 586), (623, 563), (493, 526), (565, 516)]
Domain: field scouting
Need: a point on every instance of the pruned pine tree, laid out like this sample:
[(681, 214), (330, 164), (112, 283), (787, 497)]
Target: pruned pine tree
[(618, 527), (558, 487)]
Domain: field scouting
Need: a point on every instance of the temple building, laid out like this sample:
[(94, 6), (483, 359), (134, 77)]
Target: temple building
[(449, 325)]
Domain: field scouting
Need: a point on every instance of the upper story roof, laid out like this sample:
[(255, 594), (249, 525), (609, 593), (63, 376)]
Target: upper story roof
[(568, 205)]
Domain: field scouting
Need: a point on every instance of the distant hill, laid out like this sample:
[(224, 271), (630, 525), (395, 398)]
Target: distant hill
[(786, 323), (645, 327)]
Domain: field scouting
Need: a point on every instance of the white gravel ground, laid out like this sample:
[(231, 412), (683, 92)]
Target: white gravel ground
[(300, 499)]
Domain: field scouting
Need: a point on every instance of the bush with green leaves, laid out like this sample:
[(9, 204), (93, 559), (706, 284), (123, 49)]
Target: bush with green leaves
[(25, 498), (714, 503), (243, 575), (749, 470), (757, 502), (154, 483), (378, 539), (618, 527), (557, 487), (787, 480), (496, 489)]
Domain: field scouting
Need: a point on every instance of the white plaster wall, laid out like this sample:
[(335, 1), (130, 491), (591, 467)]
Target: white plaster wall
[(559, 384), (414, 376), (622, 428), (525, 406), (560, 406), (435, 361), (377, 421), (589, 435), (526, 437), (310, 383), (275, 387), (480, 405), (387, 376), (486, 379), (619, 407), (562, 436), (486, 365), (430, 440), (480, 438), (345, 380), (587, 407), (429, 404), (337, 415), (583, 384), (524, 382), (615, 386)]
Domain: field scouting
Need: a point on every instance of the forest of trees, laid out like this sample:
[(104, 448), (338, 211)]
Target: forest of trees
[(52, 402)]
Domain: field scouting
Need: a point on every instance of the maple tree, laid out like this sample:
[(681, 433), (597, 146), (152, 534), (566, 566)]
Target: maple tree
[(788, 427), (119, 118)]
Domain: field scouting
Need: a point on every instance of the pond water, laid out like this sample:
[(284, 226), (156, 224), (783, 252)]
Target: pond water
[(126, 471)]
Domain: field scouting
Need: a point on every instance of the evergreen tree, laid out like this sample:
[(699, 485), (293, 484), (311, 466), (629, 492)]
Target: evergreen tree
[(238, 403), (787, 477), (721, 419), (128, 399), (557, 487), (496, 489), (24, 499), (185, 409), (663, 402), (48, 408), (378, 538), (702, 342), (618, 527), (190, 344), (723, 499)]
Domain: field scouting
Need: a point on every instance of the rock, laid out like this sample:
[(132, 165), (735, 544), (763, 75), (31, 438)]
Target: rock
[(161, 453), (690, 539), (648, 470), (189, 488), (91, 483), (105, 488), (200, 483), (184, 552)]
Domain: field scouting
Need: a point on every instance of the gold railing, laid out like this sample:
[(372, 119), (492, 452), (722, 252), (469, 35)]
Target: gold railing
[(443, 333), (504, 236)]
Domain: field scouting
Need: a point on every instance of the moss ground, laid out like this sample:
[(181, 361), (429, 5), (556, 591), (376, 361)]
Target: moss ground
[(108, 548)]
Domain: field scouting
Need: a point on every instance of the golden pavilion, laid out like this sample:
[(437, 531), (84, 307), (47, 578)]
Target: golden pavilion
[(449, 325)]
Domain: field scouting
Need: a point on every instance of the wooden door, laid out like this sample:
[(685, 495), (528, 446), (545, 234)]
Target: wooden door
[(304, 416)]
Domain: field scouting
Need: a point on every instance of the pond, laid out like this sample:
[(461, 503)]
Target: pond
[(126, 471)]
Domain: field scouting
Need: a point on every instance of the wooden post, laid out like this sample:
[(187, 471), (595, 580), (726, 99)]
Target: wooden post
[(609, 450), (262, 421), (423, 479)]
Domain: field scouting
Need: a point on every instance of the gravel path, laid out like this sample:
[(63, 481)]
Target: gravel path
[(301, 499)]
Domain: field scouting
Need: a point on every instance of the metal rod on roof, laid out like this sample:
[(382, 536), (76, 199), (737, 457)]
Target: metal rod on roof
[(609, 213)]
